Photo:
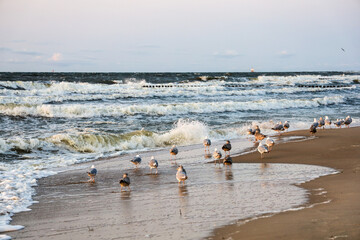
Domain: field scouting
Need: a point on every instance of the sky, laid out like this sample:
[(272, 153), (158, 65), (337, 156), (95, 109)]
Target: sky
[(179, 35)]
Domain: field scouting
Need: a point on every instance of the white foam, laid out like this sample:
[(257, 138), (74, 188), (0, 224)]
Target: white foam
[(96, 110)]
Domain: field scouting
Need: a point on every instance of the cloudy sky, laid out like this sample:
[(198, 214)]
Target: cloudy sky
[(179, 35)]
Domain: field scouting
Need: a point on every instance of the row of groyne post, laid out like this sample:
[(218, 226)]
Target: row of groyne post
[(244, 86)]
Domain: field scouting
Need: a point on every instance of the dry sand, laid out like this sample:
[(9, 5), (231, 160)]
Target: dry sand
[(339, 219)]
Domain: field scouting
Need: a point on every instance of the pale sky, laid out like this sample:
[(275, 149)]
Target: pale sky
[(179, 35)]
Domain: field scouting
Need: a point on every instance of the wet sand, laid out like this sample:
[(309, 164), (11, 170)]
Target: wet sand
[(339, 219), (72, 209)]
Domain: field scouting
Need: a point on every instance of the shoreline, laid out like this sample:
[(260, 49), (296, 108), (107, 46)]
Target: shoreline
[(254, 157), (338, 217)]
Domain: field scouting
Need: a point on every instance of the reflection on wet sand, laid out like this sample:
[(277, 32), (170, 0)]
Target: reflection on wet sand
[(229, 176)]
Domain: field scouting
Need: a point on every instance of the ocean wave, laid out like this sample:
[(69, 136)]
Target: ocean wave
[(97, 110), (184, 132), (65, 92)]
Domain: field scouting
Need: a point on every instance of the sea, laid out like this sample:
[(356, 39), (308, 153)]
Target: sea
[(52, 121)]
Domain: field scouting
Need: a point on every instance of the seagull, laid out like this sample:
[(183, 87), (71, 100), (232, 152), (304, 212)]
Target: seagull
[(153, 164), (262, 149), (227, 147), (217, 155), (136, 160), (269, 143), (181, 175), (259, 136), (227, 161), (173, 152), (312, 129), (348, 120), (250, 131), (315, 123), (321, 122), (327, 121), (207, 144), (125, 181), (286, 125), (342, 122), (338, 123), (92, 173), (257, 129), (278, 127)]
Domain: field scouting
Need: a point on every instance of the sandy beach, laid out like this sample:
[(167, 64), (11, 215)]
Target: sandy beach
[(339, 219), (69, 208)]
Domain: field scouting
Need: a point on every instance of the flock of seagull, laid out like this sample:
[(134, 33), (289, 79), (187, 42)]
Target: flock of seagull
[(327, 122), (262, 148)]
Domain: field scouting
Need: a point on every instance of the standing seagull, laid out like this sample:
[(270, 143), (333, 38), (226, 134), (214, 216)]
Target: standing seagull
[(286, 125), (217, 155), (327, 121), (321, 122), (227, 161), (125, 181), (269, 143), (257, 129), (227, 147), (315, 123), (262, 149), (136, 160), (173, 152), (207, 144), (92, 173), (259, 136), (181, 175), (312, 129), (337, 123), (348, 120), (153, 164), (278, 127)]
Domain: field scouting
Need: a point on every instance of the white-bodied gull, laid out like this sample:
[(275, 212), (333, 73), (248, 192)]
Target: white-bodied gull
[(207, 144), (153, 164), (262, 149), (270, 143), (348, 120), (136, 160), (181, 175), (92, 173)]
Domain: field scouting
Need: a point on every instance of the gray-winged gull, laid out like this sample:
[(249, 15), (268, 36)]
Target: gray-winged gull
[(207, 144), (92, 173), (259, 136), (181, 175), (321, 122), (217, 155), (227, 161), (173, 152), (348, 120), (327, 121), (270, 143), (278, 127), (136, 160), (153, 164), (125, 182), (286, 125), (227, 147), (262, 149)]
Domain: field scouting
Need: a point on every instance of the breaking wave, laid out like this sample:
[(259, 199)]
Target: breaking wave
[(96, 110)]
